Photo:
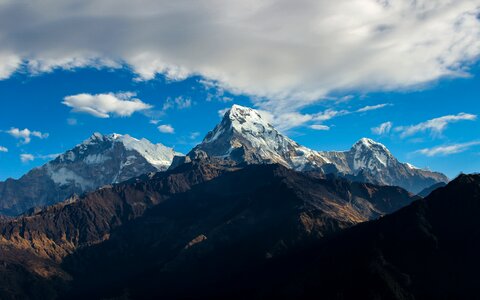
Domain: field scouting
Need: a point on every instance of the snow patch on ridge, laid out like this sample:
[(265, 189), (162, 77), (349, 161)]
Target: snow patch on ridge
[(96, 159), (412, 167), (157, 155), (63, 176)]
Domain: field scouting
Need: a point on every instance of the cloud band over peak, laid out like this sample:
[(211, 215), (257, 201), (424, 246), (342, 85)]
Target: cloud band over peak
[(291, 53)]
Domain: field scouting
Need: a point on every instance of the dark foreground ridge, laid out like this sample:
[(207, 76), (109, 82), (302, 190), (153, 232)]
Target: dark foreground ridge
[(215, 220), (428, 250)]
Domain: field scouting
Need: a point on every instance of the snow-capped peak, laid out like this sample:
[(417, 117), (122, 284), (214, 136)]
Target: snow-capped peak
[(241, 114), (99, 160), (244, 119), (245, 135), (97, 148), (94, 138), (367, 143), (371, 155), (97, 137)]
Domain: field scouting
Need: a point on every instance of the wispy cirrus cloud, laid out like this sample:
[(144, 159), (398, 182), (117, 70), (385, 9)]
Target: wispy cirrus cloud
[(26, 157), (445, 150), (333, 113), (48, 156), (179, 102), (288, 120), (106, 105), (166, 128), (373, 107), (25, 135), (329, 114), (383, 128), (3, 149), (434, 126), (320, 127)]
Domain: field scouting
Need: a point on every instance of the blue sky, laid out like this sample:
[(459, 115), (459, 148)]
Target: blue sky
[(405, 73), (35, 102)]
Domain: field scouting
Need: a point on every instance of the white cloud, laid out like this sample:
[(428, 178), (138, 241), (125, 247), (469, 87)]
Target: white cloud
[(26, 134), (282, 121), (166, 128), (215, 91), (105, 105), (383, 128), (48, 156), (287, 120), (179, 102), (319, 127), (154, 122), (448, 149), (373, 107), (69, 62), (329, 114), (3, 149), (291, 53), (434, 126), (332, 113), (25, 158), (9, 63), (30, 157)]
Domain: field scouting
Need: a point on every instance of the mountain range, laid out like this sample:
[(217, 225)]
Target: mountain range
[(158, 218), (243, 137), (99, 160), (209, 230), (246, 214)]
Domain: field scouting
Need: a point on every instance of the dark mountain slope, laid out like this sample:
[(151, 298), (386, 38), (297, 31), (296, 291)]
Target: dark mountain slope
[(222, 227), (82, 221), (425, 192), (123, 235), (32, 246), (428, 250), (24, 275)]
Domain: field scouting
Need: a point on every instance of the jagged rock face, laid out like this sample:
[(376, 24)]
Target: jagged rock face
[(370, 161), (244, 136), (97, 161)]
